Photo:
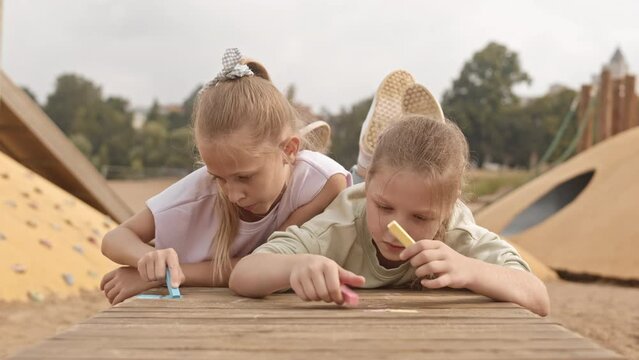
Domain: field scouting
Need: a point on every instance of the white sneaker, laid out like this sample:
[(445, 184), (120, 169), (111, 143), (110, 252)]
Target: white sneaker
[(418, 100), (386, 108), (318, 133)]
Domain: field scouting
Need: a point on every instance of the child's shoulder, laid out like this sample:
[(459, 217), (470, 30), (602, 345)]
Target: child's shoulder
[(197, 186), (318, 162)]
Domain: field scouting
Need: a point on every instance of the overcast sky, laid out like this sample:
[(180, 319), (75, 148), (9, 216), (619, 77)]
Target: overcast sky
[(335, 52)]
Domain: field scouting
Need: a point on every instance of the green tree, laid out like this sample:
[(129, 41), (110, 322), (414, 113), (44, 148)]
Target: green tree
[(480, 95), (529, 129), (181, 149), (73, 98), (154, 137)]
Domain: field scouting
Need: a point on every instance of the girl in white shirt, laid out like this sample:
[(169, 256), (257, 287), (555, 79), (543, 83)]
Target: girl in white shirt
[(257, 178)]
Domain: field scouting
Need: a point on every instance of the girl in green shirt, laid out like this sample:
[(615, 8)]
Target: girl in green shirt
[(415, 178)]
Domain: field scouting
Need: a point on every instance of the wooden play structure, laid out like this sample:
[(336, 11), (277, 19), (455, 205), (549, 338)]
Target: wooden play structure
[(31, 138), (49, 239), (580, 216)]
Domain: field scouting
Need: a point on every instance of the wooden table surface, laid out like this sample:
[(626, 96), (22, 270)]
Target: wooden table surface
[(388, 324)]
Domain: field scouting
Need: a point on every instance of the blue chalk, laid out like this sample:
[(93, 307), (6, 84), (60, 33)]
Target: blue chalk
[(174, 293)]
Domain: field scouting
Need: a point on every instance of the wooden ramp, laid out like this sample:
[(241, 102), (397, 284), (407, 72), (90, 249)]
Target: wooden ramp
[(32, 139), (391, 324)]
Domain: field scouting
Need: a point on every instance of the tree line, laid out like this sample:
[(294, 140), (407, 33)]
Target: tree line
[(500, 126)]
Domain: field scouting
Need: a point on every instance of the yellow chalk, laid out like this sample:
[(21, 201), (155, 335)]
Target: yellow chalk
[(400, 234)]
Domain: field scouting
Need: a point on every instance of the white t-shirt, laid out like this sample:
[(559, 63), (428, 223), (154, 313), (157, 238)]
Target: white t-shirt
[(185, 218)]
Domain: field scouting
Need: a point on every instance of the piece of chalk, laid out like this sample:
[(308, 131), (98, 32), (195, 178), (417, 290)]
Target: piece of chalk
[(173, 292), (400, 234), (350, 297)]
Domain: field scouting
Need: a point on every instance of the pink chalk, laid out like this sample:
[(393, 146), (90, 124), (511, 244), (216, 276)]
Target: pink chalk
[(350, 297)]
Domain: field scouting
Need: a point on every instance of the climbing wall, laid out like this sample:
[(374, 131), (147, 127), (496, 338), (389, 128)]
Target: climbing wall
[(49, 240)]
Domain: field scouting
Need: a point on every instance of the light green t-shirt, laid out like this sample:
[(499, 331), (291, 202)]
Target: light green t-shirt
[(340, 233)]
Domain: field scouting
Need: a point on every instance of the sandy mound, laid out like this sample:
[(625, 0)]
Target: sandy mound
[(581, 215)]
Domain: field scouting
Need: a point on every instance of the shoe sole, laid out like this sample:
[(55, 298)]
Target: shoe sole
[(319, 134), (418, 100), (388, 106)]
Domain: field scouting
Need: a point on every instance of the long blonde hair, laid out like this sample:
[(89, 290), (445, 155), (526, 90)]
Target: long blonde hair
[(251, 102), (436, 150)]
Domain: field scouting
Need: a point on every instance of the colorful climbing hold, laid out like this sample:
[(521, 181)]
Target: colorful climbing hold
[(92, 240), (2, 237), (32, 224), (78, 248), (46, 243), (19, 268), (35, 296), (68, 278)]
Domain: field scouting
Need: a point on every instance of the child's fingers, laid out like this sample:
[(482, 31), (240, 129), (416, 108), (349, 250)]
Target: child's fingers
[(120, 297), (159, 269), (319, 284), (427, 256), (437, 283), (176, 271), (150, 271), (309, 289), (111, 294), (349, 278), (108, 286), (106, 278), (433, 267), (331, 277), (296, 285), (417, 247)]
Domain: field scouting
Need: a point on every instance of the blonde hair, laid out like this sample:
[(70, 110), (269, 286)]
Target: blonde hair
[(251, 102), (436, 150)]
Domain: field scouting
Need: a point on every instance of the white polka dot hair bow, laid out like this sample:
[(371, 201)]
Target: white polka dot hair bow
[(232, 68)]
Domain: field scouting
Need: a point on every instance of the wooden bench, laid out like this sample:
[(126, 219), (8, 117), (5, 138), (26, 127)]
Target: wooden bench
[(388, 324)]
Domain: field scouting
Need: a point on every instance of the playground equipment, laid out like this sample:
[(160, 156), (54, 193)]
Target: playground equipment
[(580, 216), (32, 139), (49, 240)]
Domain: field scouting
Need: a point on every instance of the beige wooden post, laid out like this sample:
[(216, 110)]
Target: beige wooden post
[(632, 119), (605, 108), (584, 101)]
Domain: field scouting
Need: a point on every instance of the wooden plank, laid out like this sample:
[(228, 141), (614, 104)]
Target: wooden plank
[(214, 323)]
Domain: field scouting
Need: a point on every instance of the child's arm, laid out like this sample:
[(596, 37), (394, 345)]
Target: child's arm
[(455, 270), (129, 242), (312, 277), (334, 185)]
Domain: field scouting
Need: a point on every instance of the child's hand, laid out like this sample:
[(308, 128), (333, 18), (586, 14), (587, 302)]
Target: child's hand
[(319, 278), (152, 266), (437, 265), (124, 282)]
